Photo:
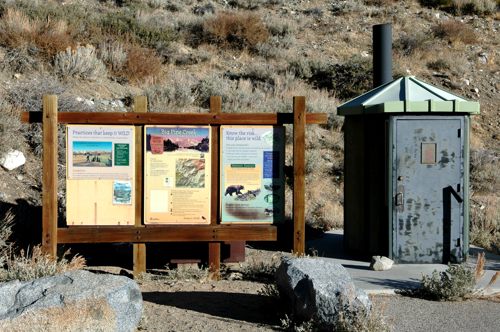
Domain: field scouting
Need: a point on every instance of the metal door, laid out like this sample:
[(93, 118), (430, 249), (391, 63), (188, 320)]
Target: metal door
[(427, 188)]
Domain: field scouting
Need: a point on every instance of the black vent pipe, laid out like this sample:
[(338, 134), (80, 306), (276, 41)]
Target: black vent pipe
[(382, 54)]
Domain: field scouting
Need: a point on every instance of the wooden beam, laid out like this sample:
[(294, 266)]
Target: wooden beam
[(166, 233), (299, 146), (49, 177), (139, 249), (131, 118)]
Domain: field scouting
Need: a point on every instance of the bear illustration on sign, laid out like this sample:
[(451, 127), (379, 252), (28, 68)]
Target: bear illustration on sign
[(230, 190)]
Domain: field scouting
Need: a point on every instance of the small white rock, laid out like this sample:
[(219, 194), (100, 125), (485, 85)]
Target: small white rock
[(381, 263), (19, 177), (12, 160)]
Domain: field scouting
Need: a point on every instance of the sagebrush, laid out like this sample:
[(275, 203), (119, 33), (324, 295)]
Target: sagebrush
[(455, 283)]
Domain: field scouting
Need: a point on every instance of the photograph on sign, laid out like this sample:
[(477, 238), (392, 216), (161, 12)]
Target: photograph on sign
[(122, 192), (92, 154), (252, 174), (100, 173), (99, 152), (177, 164)]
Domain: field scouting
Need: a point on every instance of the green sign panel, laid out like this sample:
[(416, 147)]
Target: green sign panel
[(122, 154)]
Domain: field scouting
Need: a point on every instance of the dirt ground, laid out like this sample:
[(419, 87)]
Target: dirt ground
[(188, 301)]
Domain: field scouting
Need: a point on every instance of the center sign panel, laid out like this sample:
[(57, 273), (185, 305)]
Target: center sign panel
[(177, 166), (252, 174)]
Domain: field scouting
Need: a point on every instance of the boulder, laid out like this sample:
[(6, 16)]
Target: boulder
[(73, 301), (12, 160), (320, 289), (381, 263)]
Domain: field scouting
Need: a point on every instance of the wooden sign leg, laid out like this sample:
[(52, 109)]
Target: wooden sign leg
[(214, 247), (139, 249), (49, 178), (299, 146)]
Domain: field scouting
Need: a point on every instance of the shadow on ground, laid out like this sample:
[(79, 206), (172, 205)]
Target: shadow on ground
[(251, 308)]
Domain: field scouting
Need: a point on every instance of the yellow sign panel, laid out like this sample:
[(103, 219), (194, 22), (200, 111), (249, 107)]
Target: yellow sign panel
[(100, 171), (177, 165)]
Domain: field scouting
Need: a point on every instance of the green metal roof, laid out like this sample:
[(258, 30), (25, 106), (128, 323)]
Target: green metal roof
[(407, 95)]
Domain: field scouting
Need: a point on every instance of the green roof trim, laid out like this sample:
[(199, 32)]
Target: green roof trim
[(407, 95)]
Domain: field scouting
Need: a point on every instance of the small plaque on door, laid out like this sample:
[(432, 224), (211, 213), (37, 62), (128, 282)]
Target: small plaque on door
[(429, 153)]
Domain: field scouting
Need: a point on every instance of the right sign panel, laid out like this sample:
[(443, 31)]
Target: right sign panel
[(252, 174), (428, 188)]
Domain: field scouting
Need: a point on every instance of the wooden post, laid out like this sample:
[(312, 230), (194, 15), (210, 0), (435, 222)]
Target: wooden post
[(299, 146), (139, 249), (214, 248), (49, 178)]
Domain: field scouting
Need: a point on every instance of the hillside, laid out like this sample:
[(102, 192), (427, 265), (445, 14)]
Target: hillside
[(257, 54)]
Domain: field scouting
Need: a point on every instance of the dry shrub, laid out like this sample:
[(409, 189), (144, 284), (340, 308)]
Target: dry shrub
[(6, 223), (18, 30), (53, 37), (81, 62), (236, 30), (323, 208), (455, 32), (141, 63), (36, 264), (176, 94), (113, 54), (485, 171), (485, 222), (463, 7), (10, 128), (379, 3)]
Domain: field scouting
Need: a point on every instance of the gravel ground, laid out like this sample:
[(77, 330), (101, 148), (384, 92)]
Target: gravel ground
[(409, 314), (237, 306)]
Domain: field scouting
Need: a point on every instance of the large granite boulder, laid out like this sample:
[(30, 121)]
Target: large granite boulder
[(73, 301), (320, 289)]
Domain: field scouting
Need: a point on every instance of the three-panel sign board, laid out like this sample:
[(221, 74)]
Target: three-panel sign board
[(177, 169)]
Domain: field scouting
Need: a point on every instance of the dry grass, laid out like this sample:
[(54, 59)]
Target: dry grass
[(141, 64), (236, 30), (455, 32), (17, 30), (11, 126), (485, 222), (36, 264)]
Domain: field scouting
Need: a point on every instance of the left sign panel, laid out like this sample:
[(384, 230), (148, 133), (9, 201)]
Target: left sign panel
[(100, 175)]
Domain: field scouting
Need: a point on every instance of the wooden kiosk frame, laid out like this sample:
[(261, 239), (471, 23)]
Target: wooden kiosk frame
[(139, 234)]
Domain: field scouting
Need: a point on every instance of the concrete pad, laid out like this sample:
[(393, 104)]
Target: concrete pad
[(401, 276)]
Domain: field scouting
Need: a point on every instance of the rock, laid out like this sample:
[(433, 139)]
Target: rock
[(12, 160), (318, 288), (73, 301), (381, 263)]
